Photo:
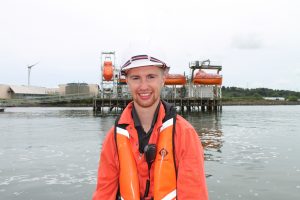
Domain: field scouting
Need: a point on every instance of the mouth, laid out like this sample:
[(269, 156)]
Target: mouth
[(145, 96)]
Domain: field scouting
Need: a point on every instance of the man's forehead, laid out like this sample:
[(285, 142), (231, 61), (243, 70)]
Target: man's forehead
[(144, 70)]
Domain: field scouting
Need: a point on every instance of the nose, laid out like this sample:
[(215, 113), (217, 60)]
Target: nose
[(143, 84)]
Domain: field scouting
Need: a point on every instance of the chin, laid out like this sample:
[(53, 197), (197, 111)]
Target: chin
[(147, 103)]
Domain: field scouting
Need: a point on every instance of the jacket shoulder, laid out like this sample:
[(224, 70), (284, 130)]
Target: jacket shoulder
[(183, 124)]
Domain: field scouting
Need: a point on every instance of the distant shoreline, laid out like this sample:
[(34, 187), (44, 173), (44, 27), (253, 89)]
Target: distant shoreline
[(258, 102), (227, 102)]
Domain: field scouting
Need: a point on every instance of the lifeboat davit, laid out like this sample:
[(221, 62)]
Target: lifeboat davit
[(108, 70), (175, 79), (122, 81), (204, 78)]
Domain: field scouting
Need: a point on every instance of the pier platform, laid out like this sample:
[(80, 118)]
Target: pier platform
[(115, 105)]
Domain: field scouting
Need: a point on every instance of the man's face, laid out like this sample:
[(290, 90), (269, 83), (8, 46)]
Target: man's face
[(145, 84)]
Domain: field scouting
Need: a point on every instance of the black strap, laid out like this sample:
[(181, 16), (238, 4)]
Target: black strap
[(171, 113)]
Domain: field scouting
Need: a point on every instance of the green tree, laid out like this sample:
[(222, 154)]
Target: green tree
[(292, 98)]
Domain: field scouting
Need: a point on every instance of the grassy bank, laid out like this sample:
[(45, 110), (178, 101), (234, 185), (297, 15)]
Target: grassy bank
[(255, 101)]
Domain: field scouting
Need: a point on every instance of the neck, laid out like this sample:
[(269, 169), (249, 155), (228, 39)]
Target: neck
[(146, 115)]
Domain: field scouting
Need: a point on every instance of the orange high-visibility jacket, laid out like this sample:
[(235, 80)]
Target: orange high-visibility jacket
[(189, 160)]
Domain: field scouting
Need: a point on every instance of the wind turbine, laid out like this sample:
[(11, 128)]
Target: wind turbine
[(29, 69)]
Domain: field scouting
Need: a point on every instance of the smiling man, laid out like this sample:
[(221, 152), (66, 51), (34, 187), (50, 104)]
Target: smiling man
[(150, 152)]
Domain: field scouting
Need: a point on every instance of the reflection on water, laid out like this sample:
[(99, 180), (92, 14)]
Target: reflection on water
[(208, 126), (75, 113)]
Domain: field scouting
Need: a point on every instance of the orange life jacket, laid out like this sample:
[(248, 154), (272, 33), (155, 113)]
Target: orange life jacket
[(164, 164)]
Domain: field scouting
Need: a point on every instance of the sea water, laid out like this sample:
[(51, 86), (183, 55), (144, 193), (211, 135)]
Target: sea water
[(251, 152)]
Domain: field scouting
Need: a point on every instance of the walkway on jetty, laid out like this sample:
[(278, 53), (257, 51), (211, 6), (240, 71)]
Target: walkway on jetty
[(107, 105)]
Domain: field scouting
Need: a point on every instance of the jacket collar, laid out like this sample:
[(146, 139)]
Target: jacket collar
[(126, 117)]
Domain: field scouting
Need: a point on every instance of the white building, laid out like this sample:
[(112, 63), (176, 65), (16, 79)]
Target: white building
[(21, 91), (274, 98)]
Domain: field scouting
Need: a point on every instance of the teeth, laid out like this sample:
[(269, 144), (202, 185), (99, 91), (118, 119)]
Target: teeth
[(143, 95)]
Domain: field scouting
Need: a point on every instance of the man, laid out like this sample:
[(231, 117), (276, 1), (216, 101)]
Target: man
[(150, 153)]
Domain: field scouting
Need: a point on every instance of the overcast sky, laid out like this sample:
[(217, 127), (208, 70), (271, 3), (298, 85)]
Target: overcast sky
[(256, 41)]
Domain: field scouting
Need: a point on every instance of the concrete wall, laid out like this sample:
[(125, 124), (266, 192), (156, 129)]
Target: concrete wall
[(94, 89), (77, 88)]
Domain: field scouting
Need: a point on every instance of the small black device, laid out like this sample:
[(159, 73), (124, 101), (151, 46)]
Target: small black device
[(150, 154)]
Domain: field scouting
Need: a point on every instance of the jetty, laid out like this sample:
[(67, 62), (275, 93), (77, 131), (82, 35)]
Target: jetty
[(198, 91), (104, 105)]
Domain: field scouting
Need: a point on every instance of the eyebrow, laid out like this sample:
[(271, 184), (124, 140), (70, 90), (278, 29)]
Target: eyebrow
[(133, 75)]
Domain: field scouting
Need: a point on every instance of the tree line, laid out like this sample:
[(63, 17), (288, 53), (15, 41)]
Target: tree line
[(258, 93)]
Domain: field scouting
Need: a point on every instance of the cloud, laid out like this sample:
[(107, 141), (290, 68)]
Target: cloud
[(247, 41)]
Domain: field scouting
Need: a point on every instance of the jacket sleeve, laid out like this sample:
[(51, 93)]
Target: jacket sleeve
[(108, 171), (191, 181)]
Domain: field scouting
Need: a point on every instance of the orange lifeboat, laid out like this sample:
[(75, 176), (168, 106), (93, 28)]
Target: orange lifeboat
[(175, 79), (108, 70), (204, 78)]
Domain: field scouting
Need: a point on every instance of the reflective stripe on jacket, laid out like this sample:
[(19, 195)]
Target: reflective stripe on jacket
[(189, 160)]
